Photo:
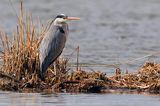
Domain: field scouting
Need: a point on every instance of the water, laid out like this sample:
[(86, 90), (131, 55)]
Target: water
[(29, 99), (109, 32)]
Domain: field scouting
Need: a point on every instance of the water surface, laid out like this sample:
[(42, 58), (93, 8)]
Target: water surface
[(109, 32), (36, 99)]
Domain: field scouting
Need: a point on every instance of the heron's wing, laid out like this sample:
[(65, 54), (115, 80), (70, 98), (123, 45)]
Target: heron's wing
[(51, 46)]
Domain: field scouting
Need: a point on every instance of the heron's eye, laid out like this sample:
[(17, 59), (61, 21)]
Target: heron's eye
[(65, 17)]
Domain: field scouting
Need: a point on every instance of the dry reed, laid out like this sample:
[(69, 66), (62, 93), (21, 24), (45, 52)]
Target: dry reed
[(20, 68), (20, 63), (19, 55)]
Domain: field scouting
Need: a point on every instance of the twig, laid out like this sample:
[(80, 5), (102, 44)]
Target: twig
[(116, 65), (8, 76), (77, 58), (13, 8)]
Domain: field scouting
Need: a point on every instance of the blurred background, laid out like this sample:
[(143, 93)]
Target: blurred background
[(109, 32)]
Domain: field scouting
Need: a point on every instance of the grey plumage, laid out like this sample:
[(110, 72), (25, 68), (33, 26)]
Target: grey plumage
[(52, 46), (53, 42)]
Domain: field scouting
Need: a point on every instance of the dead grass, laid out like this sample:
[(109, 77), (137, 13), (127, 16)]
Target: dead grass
[(146, 79), (20, 68), (19, 55), (20, 63)]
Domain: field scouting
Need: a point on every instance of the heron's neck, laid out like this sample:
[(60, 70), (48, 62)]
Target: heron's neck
[(64, 26), (57, 22)]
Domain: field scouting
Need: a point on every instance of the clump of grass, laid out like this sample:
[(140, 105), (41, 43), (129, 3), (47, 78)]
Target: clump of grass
[(146, 79), (20, 63), (19, 55)]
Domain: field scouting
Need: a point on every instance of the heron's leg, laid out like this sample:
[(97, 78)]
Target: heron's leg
[(55, 70)]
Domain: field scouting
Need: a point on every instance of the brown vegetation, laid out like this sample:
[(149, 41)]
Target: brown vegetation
[(20, 68)]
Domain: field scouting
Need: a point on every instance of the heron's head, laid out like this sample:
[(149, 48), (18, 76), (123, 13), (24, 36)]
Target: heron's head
[(62, 19)]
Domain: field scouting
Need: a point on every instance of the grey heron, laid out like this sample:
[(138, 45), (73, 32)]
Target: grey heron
[(53, 42)]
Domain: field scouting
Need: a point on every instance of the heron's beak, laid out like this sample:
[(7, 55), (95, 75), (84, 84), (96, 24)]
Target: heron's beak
[(73, 18)]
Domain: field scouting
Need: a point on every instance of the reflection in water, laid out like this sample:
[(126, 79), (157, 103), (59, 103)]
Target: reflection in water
[(33, 99), (36, 99)]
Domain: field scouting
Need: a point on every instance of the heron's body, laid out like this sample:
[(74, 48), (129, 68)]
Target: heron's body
[(53, 43)]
